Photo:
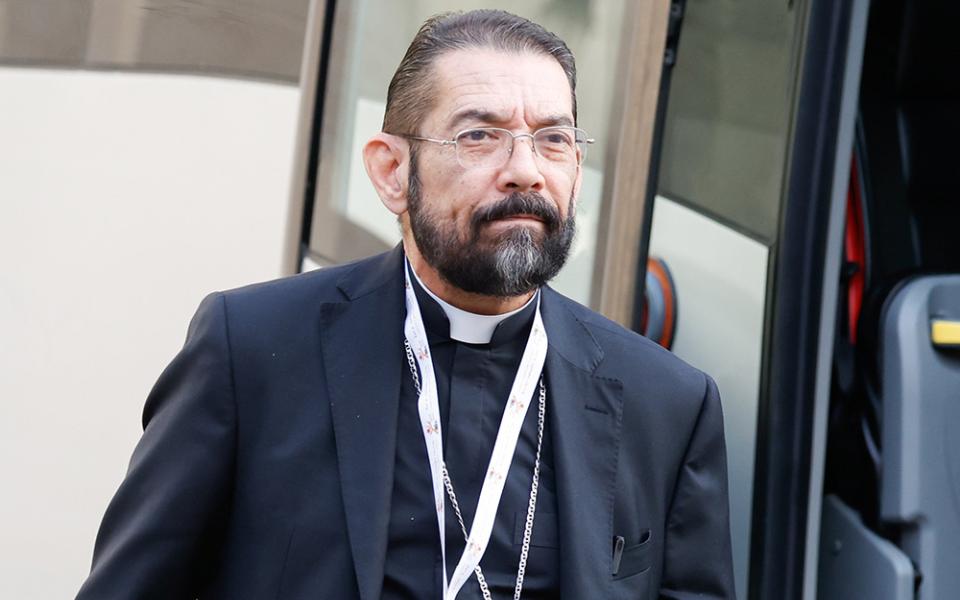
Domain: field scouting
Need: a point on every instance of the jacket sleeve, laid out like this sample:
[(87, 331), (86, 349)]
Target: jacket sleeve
[(163, 527), (697, 554)]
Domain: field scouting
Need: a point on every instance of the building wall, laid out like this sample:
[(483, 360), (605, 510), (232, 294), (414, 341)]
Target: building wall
[(124, 199)]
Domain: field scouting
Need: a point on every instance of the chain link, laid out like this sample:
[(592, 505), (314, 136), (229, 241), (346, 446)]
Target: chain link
[(534, 487)]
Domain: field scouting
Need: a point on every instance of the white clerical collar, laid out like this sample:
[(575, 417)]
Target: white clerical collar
[(469, 327)]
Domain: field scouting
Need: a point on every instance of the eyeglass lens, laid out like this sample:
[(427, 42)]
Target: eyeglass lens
[(491, 146)]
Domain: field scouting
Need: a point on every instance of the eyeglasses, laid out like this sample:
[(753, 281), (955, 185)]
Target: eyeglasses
[(491, 147)]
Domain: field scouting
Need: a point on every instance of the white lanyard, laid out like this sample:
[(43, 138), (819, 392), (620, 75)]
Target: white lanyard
[(528, 375)]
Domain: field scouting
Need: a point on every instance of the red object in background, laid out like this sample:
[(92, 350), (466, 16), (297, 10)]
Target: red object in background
[(658, 314), (854, 251), (658, 268)]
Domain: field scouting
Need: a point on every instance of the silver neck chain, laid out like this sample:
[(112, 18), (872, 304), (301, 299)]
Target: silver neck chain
[(534, 486)]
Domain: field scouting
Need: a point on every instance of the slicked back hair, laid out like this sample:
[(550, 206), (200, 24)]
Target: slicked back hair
[(410, 95)]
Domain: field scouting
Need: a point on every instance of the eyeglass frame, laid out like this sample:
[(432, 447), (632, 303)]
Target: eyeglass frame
[(513, 141)]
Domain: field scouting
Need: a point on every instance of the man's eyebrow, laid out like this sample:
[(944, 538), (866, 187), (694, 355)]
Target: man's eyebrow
[(555, 120), (474, 114), (490, 117)]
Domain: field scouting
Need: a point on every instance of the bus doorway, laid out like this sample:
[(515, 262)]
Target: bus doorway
[(893, 460), (823, 291)]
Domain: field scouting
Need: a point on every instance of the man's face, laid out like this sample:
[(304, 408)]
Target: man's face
[(500, 231)]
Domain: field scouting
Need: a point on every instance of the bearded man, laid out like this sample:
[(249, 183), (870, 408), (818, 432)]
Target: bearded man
[(433, 422)]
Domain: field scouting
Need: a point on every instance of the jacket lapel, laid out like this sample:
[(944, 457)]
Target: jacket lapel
[(585, 414), (362, 356)]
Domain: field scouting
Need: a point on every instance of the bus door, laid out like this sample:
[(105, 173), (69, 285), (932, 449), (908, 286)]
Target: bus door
[(747, 213)]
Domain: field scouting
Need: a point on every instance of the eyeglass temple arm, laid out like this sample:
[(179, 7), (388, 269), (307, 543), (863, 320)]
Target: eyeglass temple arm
[(434, 140)]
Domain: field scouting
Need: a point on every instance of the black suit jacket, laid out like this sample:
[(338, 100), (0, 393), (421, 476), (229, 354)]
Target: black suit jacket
[(265, 469)]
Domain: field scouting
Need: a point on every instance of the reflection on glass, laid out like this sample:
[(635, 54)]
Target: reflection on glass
[(370, 37)]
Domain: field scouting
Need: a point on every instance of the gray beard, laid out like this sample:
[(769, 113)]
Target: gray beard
[(517, 263)]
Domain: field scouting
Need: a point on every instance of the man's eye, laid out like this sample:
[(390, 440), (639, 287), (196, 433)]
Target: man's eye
[(477, 135), (556, 138)]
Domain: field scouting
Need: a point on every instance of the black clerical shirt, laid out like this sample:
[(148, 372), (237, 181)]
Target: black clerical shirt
[(473, 382)]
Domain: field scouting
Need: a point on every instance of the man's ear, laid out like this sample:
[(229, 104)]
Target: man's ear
[(386, 158)]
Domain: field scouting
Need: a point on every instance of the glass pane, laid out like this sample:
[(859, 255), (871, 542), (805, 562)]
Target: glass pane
[(725, 136), (247, 38), (370, 37)]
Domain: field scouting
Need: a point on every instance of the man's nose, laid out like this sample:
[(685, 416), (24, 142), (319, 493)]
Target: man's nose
[(522, 170)]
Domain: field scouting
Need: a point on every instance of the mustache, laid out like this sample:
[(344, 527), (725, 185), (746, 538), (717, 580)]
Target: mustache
[(515, 204)]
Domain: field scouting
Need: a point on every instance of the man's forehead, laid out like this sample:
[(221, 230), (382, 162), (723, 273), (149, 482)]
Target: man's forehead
[(487, 86)]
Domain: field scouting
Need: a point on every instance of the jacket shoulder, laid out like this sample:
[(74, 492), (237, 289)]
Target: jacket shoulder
[(315, 287), (638, 361)]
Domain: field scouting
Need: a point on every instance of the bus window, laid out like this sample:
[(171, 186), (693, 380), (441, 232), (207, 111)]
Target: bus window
[(260, 39)]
